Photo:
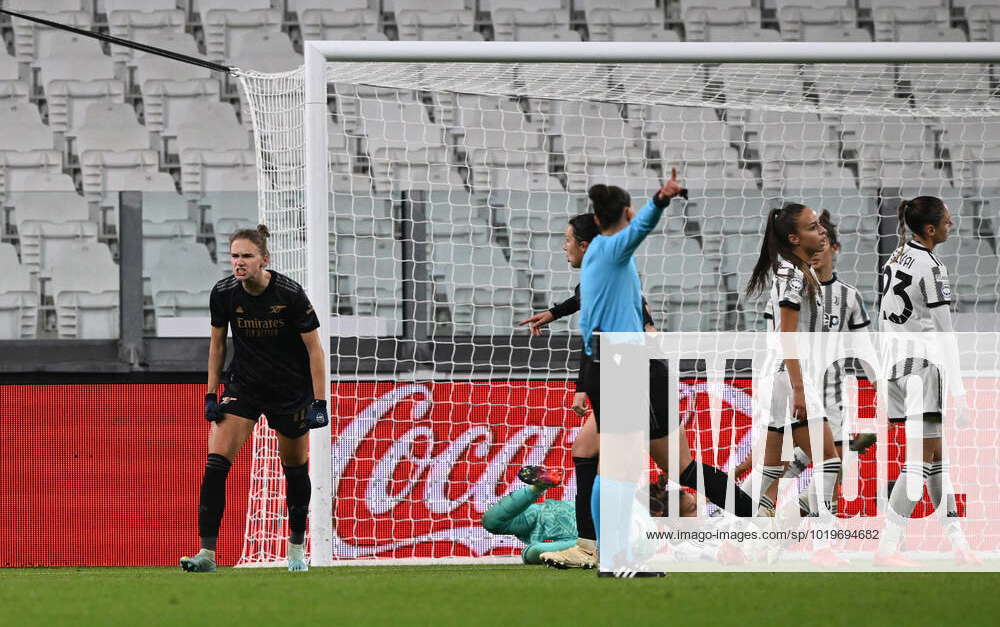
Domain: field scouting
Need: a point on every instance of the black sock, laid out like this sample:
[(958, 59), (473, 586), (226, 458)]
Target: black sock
[(716, 484), (212, 501), (298, 490), (586, 470)]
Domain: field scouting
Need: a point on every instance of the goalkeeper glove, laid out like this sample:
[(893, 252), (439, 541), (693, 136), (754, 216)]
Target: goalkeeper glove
[(316, 416), (213, 412)]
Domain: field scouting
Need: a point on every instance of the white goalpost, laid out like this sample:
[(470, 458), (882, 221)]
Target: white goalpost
[(420, 190)]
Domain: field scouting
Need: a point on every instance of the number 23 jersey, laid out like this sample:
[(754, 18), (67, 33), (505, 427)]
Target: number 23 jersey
[(912, 282)]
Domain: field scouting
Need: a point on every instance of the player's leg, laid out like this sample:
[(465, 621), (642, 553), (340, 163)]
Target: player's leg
[(585, 456), (772, 471), (510, 515), (827, 472), (293, 450), (224, 442)]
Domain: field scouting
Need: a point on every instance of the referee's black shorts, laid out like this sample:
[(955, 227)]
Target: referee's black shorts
[(659, 395)]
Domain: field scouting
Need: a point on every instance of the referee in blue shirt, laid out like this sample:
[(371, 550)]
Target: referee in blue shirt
[(611, 301)]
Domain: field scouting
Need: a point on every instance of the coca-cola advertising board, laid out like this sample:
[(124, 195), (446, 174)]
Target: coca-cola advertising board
[(109, 474)]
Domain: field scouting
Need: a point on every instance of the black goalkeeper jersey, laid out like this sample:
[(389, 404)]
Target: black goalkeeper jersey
[(270, 364)]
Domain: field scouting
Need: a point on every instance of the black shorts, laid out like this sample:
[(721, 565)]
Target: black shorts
[(291, 425), (659, 395)]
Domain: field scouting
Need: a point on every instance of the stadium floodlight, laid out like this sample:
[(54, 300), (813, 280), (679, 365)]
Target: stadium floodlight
[(419, 191)]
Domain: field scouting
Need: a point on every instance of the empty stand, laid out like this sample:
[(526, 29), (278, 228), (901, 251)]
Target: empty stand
[(33, 40), (537, 20), (819, 20), (724, 20), (903, 20), (84, 289), (142, 22), (111, 144), (74, 76), (627, 20), (348, 19), (436, 20), (28, 147), (225, 22), (18, 298), (182, 280)]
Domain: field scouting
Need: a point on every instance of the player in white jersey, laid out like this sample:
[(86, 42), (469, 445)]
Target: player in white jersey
[(792, 237), (915, 297)]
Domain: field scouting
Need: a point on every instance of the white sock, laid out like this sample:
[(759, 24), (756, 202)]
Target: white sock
[(900, 508), (831, 470), (206, 553), (297, 551), (770, 474), (946, 509)]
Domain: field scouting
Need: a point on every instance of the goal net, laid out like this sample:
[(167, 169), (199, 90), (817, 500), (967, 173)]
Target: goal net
[(449, 187)]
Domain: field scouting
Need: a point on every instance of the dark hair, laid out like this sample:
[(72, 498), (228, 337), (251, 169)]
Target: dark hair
[(584, 227), (258, 236), (826, 220), (609, 203), (780, 224), (920, 212)]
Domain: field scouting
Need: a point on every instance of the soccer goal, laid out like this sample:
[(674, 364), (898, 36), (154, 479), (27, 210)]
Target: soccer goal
[(421, 192)]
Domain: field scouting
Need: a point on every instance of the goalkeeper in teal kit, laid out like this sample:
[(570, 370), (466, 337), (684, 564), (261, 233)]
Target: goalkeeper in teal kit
[(546, 526)]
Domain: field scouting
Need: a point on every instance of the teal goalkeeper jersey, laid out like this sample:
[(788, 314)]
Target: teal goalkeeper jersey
[(610, 291), (554, 520)]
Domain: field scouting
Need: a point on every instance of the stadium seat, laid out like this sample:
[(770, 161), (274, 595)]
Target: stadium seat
[(165, 218), (112, 143), (479, 283), (794, 147), (359, 216), (893, 153), (48, 224), (84, 288), (436, 20), (823, 20), (215, 152), (723, 20), (942, 85), (536, 20), (344, 20), (18, 298), (230, 211), (626, 20), (33, 40), (142, 23), (12, 88), (369, 276), (343, 178), (265, 51), (226, 21), (761, 83), (681, 284), (28, 146), (974, 148), (172, 92), (869, 85), (182, 280), (74, 76), (857, 262), (903, 20), (983, 18), (739, 255)]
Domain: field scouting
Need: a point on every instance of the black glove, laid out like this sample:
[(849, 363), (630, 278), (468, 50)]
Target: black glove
[(213, 412), (316, 416)]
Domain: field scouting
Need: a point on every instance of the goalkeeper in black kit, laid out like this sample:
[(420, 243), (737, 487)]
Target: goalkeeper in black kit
[(277, 370)]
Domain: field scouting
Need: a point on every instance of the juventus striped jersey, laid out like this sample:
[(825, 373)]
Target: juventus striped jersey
[(845, 311), (789, 289), (912, 282)]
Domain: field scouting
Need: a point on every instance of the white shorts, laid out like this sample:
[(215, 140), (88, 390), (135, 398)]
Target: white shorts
[(930, 401), (780, 411)]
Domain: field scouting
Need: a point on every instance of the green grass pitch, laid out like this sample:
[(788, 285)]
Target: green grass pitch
[(488, 595)]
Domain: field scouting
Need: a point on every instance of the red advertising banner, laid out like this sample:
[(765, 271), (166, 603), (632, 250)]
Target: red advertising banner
[(108, 475)]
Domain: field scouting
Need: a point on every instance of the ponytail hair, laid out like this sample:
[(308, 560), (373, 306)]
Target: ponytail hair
[(609, 202), (920, 212), (780, 224), (257, 236), (826, 221), (584, 227)]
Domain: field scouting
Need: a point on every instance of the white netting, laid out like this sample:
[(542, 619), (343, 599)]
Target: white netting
[(451, 187)]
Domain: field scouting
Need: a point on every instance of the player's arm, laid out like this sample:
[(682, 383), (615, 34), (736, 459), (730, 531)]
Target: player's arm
[(560, 310), (624, 242), (216, 358), (941, 316), (647, 317), (316, 364), (789, 321)]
